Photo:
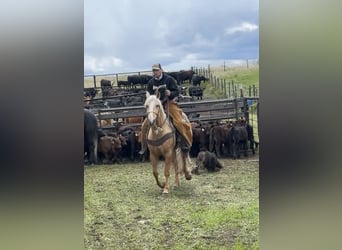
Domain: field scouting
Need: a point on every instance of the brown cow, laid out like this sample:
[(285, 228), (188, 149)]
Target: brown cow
[(138, 119), (109, 147)]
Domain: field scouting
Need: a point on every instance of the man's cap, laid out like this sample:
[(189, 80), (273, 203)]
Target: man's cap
[(156, 66)]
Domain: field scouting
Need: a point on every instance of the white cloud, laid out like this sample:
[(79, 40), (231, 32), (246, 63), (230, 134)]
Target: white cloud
[(101, 64), (141, 33), (243, 27)]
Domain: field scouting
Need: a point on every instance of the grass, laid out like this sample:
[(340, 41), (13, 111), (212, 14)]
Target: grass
[(240, 75), (124, 208)]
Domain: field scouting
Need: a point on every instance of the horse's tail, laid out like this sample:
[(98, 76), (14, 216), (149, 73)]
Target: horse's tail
[(182, 164)]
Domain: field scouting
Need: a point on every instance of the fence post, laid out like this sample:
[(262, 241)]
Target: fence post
[(94, 76), (245, 109), (229, 89), (249, 90), (236, 109), (225, 88), (224, 66), (241, 90), (254, 90), (233, 88), (209, 68), (117, 80)]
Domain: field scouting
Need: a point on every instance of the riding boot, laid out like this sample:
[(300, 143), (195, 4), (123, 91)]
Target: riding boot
[(144, 128), (184, 145)]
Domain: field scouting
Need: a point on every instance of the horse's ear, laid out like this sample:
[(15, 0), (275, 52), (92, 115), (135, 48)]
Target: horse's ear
[(147, 94)]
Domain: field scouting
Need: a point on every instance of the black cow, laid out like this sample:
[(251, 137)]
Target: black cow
[(89, 92), (196, 91), (239, 136), (123, 84), (200, 135), (185, 75), (106, 83), (129, 150), (207, 160), (106, 87), (196, 80), (173, 74), (138, 79), (90, 136)]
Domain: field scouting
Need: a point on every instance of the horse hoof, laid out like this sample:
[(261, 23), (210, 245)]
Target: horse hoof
[(189, 177), (165, 192)]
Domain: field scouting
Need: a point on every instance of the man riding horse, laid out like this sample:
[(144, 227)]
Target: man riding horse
[(171, 106)]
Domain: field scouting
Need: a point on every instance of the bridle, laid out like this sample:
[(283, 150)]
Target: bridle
[(157, 116)]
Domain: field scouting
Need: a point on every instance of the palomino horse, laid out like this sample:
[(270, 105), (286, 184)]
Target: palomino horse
[(161, 141)]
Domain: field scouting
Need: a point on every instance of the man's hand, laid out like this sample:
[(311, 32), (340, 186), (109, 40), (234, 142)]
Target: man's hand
[(167, 92)]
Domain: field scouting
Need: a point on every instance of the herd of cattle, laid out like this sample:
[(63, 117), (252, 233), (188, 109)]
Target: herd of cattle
[(224, 139), (137, 84), (211, 140)]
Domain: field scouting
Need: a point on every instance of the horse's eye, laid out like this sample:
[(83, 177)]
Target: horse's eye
[(157, 105), (147, 106)]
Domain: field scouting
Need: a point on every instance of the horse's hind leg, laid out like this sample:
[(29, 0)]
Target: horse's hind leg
[(187, 173), (154, 162)]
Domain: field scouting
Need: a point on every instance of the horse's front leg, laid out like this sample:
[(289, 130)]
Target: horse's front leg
[(168, 164), (154, 162)]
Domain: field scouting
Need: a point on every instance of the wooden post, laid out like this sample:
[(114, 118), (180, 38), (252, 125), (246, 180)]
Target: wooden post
[(241, 90), (254, 90), (224, 66), (229, 89), (249, 90), (246, 109), (117, 79), (233, 88), (94, 76), (236, 109), (225, 88), (209, 68)]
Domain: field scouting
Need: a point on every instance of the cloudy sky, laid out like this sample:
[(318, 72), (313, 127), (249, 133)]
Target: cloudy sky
[(131, 35)]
